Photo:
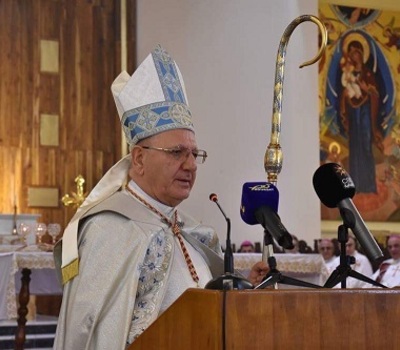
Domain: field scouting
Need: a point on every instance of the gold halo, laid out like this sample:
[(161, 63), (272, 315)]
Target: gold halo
[(334, 144), (361, 39)]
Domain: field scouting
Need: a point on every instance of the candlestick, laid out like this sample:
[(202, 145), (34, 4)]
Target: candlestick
[(14, 230), (12, 192)]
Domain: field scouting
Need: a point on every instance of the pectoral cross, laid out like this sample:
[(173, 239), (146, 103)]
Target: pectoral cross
[(77, 198), (395, 270)]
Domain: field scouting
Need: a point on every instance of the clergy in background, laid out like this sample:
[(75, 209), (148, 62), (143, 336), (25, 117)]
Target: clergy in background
[(388, 273)]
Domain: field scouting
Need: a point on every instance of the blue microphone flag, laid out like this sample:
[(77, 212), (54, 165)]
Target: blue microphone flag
[(256, 195)]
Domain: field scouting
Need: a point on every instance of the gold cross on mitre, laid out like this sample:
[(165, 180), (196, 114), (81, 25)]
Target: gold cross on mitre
[(76, 199)]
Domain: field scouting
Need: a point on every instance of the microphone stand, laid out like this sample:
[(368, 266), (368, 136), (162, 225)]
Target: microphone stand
[(274, 276), (229, 280), (344, 269)]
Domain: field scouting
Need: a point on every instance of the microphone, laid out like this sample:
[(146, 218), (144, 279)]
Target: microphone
[(229, 280), (259, 206), (228, 256), (335, 188)]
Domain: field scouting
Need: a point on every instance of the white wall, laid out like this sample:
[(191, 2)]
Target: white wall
[(226, 51)]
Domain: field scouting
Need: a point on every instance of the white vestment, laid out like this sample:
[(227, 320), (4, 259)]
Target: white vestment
[(363, 266), (391, 278), (332, 263), (126, 253)]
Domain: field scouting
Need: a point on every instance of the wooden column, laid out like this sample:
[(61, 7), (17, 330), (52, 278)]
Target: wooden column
[(23, 309)]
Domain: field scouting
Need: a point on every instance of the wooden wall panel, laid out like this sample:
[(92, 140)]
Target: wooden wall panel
[(88, 34)]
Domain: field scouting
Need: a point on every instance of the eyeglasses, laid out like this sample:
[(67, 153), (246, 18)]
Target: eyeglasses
[(393, 246), (325, 248), (182, 153)]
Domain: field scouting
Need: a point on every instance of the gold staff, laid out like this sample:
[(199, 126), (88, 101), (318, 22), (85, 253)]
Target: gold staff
[(273, 155)]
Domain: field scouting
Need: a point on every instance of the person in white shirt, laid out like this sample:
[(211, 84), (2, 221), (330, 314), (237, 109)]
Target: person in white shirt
[(388, 273), (361, 265)]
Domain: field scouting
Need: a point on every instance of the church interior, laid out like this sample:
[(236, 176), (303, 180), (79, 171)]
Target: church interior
[(60, 131)]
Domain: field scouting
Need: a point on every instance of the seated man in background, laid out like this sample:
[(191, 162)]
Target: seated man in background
[(129, 253), (327, 249), (388, 273), (246, 247)]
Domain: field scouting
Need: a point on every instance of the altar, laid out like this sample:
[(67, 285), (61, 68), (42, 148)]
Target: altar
[(14, 258)]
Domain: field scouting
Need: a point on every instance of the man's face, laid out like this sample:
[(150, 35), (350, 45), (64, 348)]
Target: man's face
[(163, 176), (326, 249), (393, 246), (247, 249), (350, 247)]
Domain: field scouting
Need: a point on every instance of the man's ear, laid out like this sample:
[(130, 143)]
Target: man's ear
[(137, 156)]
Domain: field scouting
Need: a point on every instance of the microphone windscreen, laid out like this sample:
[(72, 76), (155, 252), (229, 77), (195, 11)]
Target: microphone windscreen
[(213, 197), (333, 184), (256, 195)]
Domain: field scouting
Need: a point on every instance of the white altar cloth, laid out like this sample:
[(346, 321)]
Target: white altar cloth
[(13, 258), (305, 267)]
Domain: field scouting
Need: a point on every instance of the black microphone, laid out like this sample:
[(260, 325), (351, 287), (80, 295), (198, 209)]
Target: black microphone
[(335, 188), (229, 280), (228, 255)]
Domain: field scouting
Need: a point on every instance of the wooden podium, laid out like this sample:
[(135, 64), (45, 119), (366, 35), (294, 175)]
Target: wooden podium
[(277, 319)]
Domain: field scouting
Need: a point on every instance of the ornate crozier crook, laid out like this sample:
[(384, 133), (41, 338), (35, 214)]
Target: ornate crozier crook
[(273, 154)]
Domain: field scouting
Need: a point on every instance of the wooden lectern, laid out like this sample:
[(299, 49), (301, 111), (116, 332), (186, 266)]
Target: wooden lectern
[(277, 319)]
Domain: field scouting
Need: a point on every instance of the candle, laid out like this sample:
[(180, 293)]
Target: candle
[(12, 193)]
